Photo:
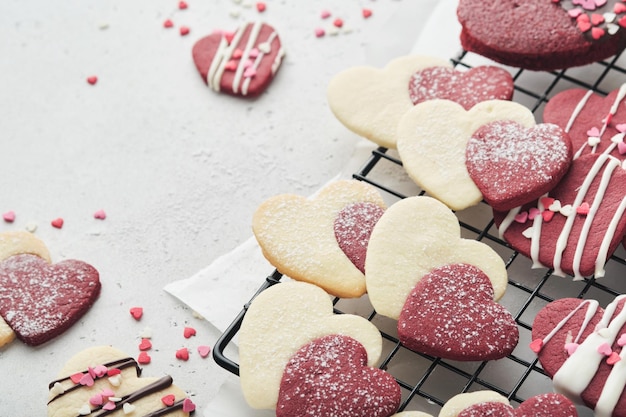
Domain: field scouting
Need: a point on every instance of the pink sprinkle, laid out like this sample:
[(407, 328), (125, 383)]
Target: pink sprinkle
[(184, 31), (168, 24), (145, 344), (86, 380), (76, 377), (254, 52), (594, 131), (204, 350), (249, 72), (338, 22), (100, 215), (366, 13), (107, 392), (319, 32), (189, 332), (144, 358), (622, 340), (231, 65), (92, 79), (536, 345), (622, 126), (237, 53), (621, 148), (574, 13), (100, 371), (188, 405), (521, 217), (9, 216), (58, 223), (605, 349), (261, 6), (571, 348), (182, 354), (182, 5), (533, 212), (96, 399), (325, 14), (109, 406)]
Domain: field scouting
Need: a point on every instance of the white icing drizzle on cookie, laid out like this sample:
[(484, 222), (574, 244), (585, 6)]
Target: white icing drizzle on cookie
[(536, 237), (259, 58), (253, 37), (222, 56), (578, 370)]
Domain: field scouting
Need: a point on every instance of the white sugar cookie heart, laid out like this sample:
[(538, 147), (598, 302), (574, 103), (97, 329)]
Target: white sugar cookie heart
[(414, 236), (297, 236), (370, 101), (432, 137), (282, 319), (84, 383)]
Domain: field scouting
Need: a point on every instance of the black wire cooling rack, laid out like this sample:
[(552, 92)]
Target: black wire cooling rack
[(428, 382)]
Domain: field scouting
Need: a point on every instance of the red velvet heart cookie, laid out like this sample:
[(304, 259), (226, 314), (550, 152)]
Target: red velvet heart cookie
[(467, 88), (580, 223), (240, 63), (330, 377), (580, 346), (39, 300), (544, 405), (596, 124), (512, 165), (535, 34), (451, 314)]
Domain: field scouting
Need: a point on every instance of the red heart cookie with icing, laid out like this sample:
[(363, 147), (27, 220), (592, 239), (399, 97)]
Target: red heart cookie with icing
[(578, 227), (595, 124), (539, 34), (512, 165), (467, 88), (330, 377), (544, 405), (102, 381), (240, 63), (39, 300), (580, 346), (451, 314), (305, 239)]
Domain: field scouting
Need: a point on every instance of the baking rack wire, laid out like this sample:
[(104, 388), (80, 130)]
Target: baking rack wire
[(428, 382)]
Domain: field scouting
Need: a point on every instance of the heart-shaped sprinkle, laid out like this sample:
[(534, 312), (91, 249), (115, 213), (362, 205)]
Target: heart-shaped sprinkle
[(168, 24), (168, 400), (265, 47), (96, 399), (583, 25), (184, 30), (145, 344), (87, 380), (228, 37), (254, 52), (146, 333), (109, 406), (605, 349), (189, 332), (128, 408), (237, 53), (583, 209), (57, 389), (619, 8), (521, 217), (613, 358), (621, 147), (182, 5), (570, 348), (597, 33), (555, 206), (609, 17), (533, 212), (366, 13), (261, 6), (144, 358), (113, 372), (338, 22), (115, 380), (188, 405), (594, 131), (547, 215), (528, 233), (325, 14), (136, 312), (597, 19), (100, 371), (249, 72), (204, 351), (9, 216), (75, 378), (567, 210), (546, 201), (85, 410), (107, 392), (100, 215), (182, 354), (319, 32), (536, 345), (92, 79), (58, 223), (622, 340), (574, 13)]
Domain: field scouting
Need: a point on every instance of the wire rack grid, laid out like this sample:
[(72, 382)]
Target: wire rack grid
[(428, 382)]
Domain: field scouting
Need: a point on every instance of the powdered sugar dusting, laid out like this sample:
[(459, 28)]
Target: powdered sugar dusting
[(466, 88), (329, 377)]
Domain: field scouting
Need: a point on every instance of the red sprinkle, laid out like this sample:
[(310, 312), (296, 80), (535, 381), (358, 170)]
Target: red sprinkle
[(58, 223), (583, 208), (144, 358), (547, 215), (145, 344), (261, 6), (188, 332), (367, 13), (338, 22), (92, 79), (168, 400), (182, 5), (113, 372), (136, 312), (76, 377), (536, 345), (168, 24), (184, 31), (182, 354)]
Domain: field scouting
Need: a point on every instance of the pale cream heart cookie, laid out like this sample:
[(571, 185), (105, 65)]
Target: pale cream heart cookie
[(413, 237), (279, 321), (432, 137), (370, 101), (103, 377), (297, 236), (15, 243)]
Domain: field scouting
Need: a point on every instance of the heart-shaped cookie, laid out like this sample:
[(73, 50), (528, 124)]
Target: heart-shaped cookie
[(451, 314), (103, 380), (538, 34), (240, 63), (512, 165), (39, 300), (413, 237), (579, 225), (433, 136), (370, 101), (595, 124), (580, 346), (299, 235), (330, 377), (489, 403), (281, 320), (468, 88)]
